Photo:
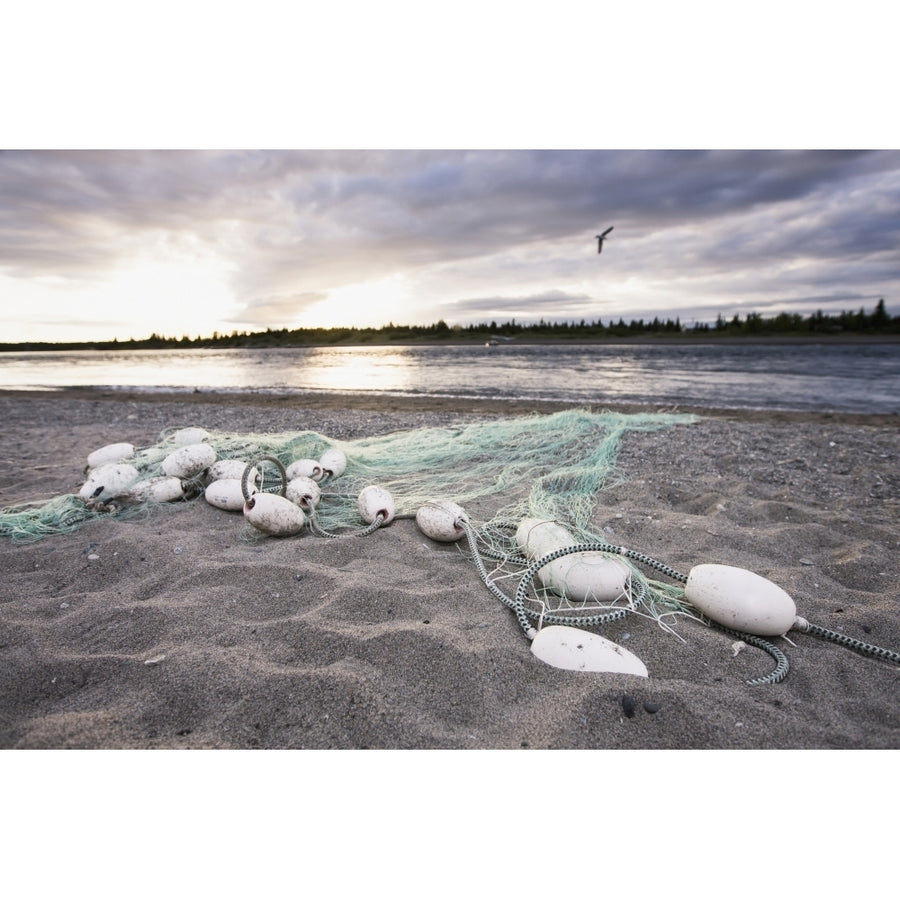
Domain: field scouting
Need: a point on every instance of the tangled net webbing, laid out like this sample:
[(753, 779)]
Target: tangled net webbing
[(546, 465)]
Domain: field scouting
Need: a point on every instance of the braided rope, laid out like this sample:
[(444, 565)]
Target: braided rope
[(517, 604), (471, 537), (523, 614), (361, 532), (779, 673), (843, 639), (782, 665), (281, 489)]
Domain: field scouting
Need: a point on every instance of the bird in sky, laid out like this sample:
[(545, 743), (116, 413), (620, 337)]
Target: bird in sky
[(602, 237)]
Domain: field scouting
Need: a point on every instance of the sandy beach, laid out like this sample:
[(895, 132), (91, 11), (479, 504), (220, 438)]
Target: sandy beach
[(173, 632)]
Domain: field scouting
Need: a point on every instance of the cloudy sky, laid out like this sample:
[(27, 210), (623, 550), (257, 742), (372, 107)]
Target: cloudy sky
[(103, 244)]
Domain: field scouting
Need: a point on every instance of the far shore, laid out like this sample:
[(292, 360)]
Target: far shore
[(638, 340)]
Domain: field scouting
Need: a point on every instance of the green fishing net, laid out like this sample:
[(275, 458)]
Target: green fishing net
[(500, 471), (548, 466)]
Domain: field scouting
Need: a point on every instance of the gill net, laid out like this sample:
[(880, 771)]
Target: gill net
[(500, 471)]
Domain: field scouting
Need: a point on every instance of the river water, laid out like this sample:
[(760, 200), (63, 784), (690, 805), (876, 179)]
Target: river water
[(862, 377)]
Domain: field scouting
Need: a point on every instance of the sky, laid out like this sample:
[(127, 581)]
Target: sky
[(102, 244)]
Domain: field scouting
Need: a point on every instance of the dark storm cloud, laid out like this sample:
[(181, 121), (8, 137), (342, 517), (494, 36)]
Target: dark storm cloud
[(296, 224)]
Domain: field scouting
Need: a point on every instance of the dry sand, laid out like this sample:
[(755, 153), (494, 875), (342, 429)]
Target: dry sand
[(392, 642)]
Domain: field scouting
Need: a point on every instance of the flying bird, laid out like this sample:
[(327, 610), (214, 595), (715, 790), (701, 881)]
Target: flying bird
[(602, 237)]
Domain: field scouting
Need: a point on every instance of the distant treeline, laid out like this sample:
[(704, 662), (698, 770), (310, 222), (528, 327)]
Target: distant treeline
[(878, 322)]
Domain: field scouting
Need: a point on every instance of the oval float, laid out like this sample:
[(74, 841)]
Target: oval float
[(740, 599), (184, 436), (111, 453), (188, 461), (333, 462), (274, 515), (374, 501), (225, 493), (438, 519), (578, 576), (228, 468), (303, 491), (304, 468), (160, 489), (108, 481), (570, 648)]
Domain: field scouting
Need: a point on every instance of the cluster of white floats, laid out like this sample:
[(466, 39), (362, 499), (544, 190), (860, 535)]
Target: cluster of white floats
[(111, 478), (733, 597), (736, 598)]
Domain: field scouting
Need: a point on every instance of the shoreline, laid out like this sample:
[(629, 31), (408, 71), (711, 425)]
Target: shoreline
[(173, 631), (371, 401)]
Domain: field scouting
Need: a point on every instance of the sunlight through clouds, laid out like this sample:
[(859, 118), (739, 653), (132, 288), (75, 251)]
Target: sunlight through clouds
[(190, 295), (172, 298), (371, 303)]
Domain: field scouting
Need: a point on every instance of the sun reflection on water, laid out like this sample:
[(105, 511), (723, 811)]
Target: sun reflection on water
[(355, 369)]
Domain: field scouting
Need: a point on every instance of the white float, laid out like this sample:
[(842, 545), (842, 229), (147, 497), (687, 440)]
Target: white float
[(108, 481), (111, 453), (189, 461), (303, 491), (565, 647), (229, 468), (185, 436), (159, 489), (437, 519), (374, 501), (304, 468), (225, 493), (333, 462), (578, 576), (740, 599), (274, 515)]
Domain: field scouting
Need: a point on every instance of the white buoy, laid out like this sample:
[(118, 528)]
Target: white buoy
[(565, 647), (578, 576), (374, 501), (274, 515), (189, 461), (111, 453), (226, 493), (333, 462), (304, 468), (108, 481), (159, 489), (185, 436), (304, 492), (438, 519), (740, 599), (230, 468)]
